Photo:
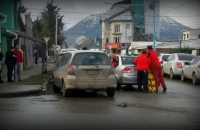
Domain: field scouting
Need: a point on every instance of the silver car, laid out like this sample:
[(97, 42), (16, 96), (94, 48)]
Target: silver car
[(125, 72), (191, 70), (175, 63), (85, 70)]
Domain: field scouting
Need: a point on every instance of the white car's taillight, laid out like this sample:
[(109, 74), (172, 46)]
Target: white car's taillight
[(198, 66), (70, 70), (127, 70), (179, 65)]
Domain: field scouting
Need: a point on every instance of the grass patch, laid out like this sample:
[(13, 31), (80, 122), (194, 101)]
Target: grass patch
[(36, 79)]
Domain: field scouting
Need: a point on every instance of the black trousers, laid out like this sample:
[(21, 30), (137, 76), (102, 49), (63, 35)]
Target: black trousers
[(142, 79), (10, 69), (36, 61)]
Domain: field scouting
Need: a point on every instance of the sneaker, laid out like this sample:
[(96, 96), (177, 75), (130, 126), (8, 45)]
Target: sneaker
[(164, 89)]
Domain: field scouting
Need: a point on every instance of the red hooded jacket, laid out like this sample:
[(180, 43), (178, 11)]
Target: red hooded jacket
[(142, 62), (153, 58), (19, 56)]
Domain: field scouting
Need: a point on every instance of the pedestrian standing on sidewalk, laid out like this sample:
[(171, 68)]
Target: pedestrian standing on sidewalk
[(155, 68), (10, 63), (19, 61), (142, 64), (1, 57), (36, 56)]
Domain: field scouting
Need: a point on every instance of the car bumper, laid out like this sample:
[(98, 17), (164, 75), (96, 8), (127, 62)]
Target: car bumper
[(177, 71), (71, 82), (126, 79), (198, 75)]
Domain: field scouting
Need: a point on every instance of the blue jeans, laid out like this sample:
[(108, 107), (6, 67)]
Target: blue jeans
[(17, 71)]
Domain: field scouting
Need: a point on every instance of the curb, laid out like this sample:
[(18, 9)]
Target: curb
[(20, 93)]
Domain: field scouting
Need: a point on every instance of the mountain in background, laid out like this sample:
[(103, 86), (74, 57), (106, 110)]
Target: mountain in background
[(90, 27), (171, 30)]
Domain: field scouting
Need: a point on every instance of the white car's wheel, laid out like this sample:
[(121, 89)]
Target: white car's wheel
[(163, 73), (183, 77), (65, 91), (171, 74), (110, 92), (55, 88), (194, 79)]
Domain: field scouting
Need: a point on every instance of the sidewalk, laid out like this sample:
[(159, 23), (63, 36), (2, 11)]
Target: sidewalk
[(13, 89)]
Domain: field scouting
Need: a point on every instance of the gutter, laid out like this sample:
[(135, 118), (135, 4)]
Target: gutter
[(16, 36), (5, 18)]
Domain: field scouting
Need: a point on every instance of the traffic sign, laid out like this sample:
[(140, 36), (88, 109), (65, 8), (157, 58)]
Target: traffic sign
[(46, 39)]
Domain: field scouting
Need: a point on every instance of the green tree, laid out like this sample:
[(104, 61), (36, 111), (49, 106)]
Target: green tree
[(46, 25), (21, 8)]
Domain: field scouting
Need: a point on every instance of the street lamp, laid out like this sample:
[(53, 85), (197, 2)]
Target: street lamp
[(125, 39)]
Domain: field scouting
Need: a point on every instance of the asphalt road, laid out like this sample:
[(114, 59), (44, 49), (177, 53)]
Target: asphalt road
[(179, 108)]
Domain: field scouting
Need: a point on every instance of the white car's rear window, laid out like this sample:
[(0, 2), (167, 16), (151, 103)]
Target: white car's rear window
[(91, 58)]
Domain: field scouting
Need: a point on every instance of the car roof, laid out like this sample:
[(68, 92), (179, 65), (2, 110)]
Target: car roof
[(85, 51)]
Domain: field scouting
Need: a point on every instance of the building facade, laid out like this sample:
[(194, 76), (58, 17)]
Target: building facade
[(117, 30), (191, 34)]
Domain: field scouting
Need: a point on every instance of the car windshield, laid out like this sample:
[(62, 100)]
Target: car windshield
[(91, 58), (164, 57), (127, 60), (185, 57)]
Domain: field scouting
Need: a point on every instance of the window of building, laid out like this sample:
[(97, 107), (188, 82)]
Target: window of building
[(116, 39), (128, 26), (117, 28), (187, 36), (107, 40)]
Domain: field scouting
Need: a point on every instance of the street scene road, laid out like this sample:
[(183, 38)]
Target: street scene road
[(179, 108)]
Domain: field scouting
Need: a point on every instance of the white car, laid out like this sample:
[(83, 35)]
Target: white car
[(84, 70), (175, 63), (162, 58), (62, 51), (191, 70)]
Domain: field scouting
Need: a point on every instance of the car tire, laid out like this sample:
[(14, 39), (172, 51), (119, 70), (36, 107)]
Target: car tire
[(194, 79), (183, 77), (118, 85), (163, 72), (110, 92), (55, 88), (65, 92), (171, 75)]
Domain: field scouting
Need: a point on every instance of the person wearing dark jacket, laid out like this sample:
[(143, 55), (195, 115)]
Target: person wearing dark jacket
[(155, 68), (10, 63), (1, 57), (142, 64)]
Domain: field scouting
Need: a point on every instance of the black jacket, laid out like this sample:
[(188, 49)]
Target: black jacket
[(10, 59), (1, 56)]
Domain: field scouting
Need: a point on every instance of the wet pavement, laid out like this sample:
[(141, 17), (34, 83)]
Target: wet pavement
[(179, 108)]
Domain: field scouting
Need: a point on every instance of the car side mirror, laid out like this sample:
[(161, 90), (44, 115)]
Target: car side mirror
[(186, 63)]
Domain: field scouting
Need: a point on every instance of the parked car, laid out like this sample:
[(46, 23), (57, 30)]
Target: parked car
[(191, 70), (85, 70), (125, 72), (162, 58), (175, 63)]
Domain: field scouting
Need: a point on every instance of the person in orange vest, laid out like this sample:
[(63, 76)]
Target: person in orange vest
[(142, 64), (155, 68)]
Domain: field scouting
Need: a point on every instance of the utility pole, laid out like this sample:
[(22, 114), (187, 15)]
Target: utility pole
[(56, 33), (152, 6), (126, 51)]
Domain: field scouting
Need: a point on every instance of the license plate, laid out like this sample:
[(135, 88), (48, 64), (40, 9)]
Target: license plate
[(92, 72)]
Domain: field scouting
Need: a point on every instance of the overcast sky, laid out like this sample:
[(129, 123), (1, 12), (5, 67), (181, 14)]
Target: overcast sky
[(183, 11)]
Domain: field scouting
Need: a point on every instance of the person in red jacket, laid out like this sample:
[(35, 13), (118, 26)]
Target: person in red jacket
[(19, 60), (155, 68), (142, 64), (114, 61)]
